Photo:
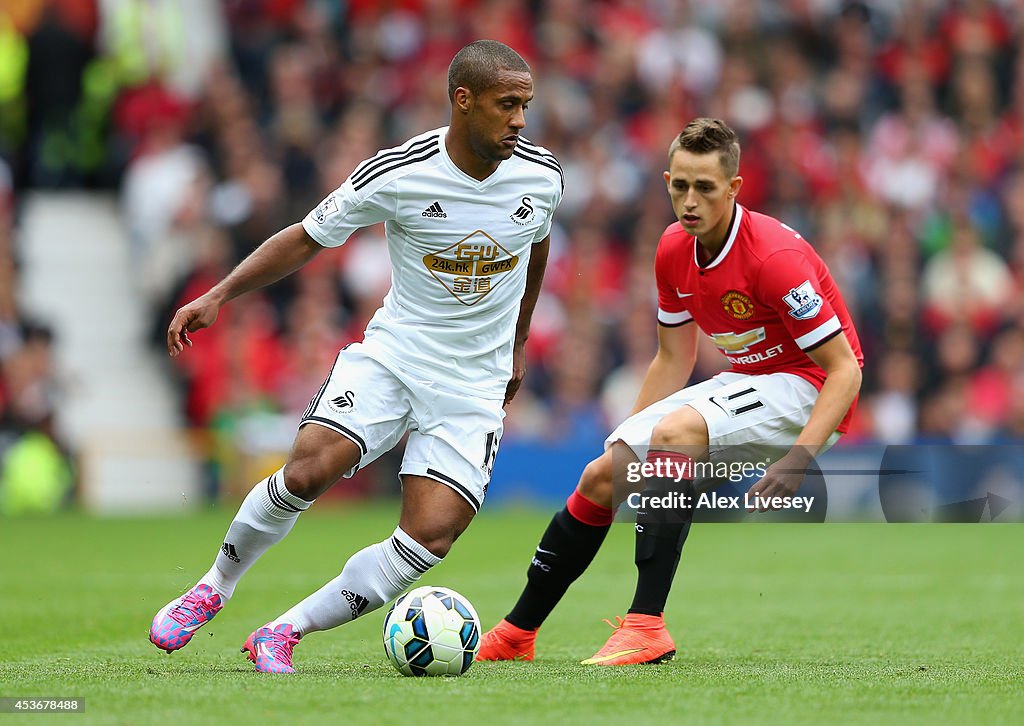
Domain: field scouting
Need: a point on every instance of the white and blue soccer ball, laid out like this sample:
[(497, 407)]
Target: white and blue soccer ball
[(431, 631)]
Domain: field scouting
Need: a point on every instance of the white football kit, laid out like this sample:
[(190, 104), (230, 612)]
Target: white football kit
[(437, 356)]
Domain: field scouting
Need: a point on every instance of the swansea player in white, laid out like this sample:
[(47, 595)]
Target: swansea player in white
[(467, 212)]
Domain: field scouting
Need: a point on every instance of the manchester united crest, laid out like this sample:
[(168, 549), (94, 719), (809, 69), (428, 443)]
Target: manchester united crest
[(738, 305)]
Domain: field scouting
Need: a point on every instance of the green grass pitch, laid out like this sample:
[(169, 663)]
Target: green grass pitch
[(776, 623)]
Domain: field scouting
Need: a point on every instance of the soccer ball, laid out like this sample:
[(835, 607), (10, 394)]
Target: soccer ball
[(431, 631)]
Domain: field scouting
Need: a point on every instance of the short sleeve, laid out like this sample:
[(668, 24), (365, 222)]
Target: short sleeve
[(791, 285), (672, 310), (545, 229), (344, 211)]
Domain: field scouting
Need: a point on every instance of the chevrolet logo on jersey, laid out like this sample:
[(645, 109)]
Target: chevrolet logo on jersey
[(471, 267), (738, 342)]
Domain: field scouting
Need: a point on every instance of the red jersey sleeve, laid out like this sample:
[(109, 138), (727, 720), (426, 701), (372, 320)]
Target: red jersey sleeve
[(792, 285), (668, 269)]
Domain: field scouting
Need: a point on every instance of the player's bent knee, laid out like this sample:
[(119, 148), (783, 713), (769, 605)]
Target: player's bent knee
[(308, 477), (433, 513), (437, 540), (596, 482), (318, 459), (684, 427)]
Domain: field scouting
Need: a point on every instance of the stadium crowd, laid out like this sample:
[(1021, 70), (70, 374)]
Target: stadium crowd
[(890, 134), (35, 469)]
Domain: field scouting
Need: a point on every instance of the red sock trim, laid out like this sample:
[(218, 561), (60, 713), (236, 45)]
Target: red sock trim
[(645, 620), (677, 461), (521, 633), (589, 512)]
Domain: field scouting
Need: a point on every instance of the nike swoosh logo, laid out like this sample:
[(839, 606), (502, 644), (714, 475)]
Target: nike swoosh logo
[(683, 294), (547, 552), (612, 656), (395, 629)]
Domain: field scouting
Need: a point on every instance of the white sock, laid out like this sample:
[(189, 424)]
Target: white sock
[(267, 514), (371, 577)]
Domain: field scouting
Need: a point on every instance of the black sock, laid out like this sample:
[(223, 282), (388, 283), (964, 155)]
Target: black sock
[(565, 551), (660, 535)]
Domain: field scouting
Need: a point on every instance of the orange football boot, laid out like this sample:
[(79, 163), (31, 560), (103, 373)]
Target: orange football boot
[(507, 642), (637, 639)]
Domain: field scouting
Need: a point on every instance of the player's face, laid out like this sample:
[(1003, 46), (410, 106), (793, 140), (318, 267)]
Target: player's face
[(498, 114), (702, 195)]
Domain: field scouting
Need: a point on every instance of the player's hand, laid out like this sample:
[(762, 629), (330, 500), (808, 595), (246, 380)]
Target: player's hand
[(518, 372), (783, 478), (198, 314)]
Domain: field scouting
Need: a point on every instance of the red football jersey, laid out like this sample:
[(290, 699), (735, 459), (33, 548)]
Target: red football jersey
[(765, 300)]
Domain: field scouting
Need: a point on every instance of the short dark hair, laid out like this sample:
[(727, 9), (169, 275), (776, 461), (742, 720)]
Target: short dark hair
[(707, 135), (477, 66)]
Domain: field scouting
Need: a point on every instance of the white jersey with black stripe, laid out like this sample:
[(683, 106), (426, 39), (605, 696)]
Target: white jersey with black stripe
[(459, 249)]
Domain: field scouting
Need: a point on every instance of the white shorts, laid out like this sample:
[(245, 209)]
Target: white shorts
[(752, 417), (453, 438)]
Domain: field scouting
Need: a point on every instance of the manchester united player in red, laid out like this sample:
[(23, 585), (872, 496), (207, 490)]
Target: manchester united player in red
[(767, 300)]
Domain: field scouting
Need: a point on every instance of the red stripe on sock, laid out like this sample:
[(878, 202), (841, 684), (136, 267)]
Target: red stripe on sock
[(678, 461), (589, 512)]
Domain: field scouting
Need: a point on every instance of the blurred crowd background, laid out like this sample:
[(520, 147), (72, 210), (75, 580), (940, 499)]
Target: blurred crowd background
[(889, 133)]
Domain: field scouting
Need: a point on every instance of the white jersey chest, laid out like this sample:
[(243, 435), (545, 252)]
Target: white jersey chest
[(469, 247)]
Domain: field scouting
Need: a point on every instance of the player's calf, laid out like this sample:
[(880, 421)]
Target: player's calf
[(566, 549)]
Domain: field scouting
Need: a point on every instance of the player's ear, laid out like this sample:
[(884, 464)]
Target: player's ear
[(734, 185), (668, 178), (463, 100)]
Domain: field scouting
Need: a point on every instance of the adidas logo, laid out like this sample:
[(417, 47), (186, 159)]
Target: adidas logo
[(357, 603), (229, 551), (434, 210)]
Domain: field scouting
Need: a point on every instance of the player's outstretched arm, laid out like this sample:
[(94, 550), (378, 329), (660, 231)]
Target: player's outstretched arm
[(534, 280), (672, 364), (842, 384), (279, 256)]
